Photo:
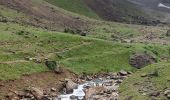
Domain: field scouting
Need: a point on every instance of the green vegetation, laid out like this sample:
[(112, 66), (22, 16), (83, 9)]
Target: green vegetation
[(76, 6), (79, 54), (9, 13), (15, 70), (131, 86), (106, 30), (24, 49), (52, 65)]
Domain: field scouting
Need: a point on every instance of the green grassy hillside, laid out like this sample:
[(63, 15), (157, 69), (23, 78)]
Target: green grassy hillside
[(76, 6), (140, 88), (26, 41), (79, 54)]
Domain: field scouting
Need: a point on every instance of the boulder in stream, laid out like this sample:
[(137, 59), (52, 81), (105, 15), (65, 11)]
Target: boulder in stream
[(70, 85)]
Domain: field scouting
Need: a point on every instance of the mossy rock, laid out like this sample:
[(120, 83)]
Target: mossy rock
[(52, 65), (168, 33)]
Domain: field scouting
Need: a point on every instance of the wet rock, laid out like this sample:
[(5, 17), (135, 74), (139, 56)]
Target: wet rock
[(88, 78), (28, 95), (53, 94), (112, 74), (111, 88), (155, 94), (64, 91), (110, 83), (70, 85), (123, 73), (168, 96), (115, 77), (73, 97), (115, 94), (119, 81), (96, 97), (53, 90), (38, 93), (167, 92), (114, 98)]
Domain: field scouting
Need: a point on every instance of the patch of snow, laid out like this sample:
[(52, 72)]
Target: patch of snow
[(164, 6)]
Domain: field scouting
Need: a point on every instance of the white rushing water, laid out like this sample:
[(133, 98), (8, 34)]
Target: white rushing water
[(76, 92), (79, 92)]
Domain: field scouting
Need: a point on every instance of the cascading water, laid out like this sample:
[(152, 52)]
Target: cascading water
[(79, 92)]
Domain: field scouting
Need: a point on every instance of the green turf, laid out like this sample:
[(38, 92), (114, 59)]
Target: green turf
[(159, 83), (76, 6), (79, 54)]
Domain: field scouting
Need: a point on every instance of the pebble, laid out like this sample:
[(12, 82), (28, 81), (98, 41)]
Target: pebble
[(53, 90)]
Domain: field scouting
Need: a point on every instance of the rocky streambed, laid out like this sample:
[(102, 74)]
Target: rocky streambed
[(103, 86), (97, 87)]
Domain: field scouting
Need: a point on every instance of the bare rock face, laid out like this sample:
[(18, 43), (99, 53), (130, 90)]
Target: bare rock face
[(141, 60)]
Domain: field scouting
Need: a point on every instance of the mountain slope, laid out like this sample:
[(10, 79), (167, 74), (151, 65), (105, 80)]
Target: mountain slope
[(41, 14), (76, 6), (151, 7), (53, 17), (111, 10), (114, 10), (153, 79)]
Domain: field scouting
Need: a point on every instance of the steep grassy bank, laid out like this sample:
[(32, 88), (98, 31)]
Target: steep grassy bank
[(142, 88)]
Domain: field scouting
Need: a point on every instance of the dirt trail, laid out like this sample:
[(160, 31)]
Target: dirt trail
[(50, 55), (12, 62)]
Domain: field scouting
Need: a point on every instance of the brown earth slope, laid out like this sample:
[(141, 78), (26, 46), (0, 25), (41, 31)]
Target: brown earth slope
[(44, 80), (42, 14), (121, 11)]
